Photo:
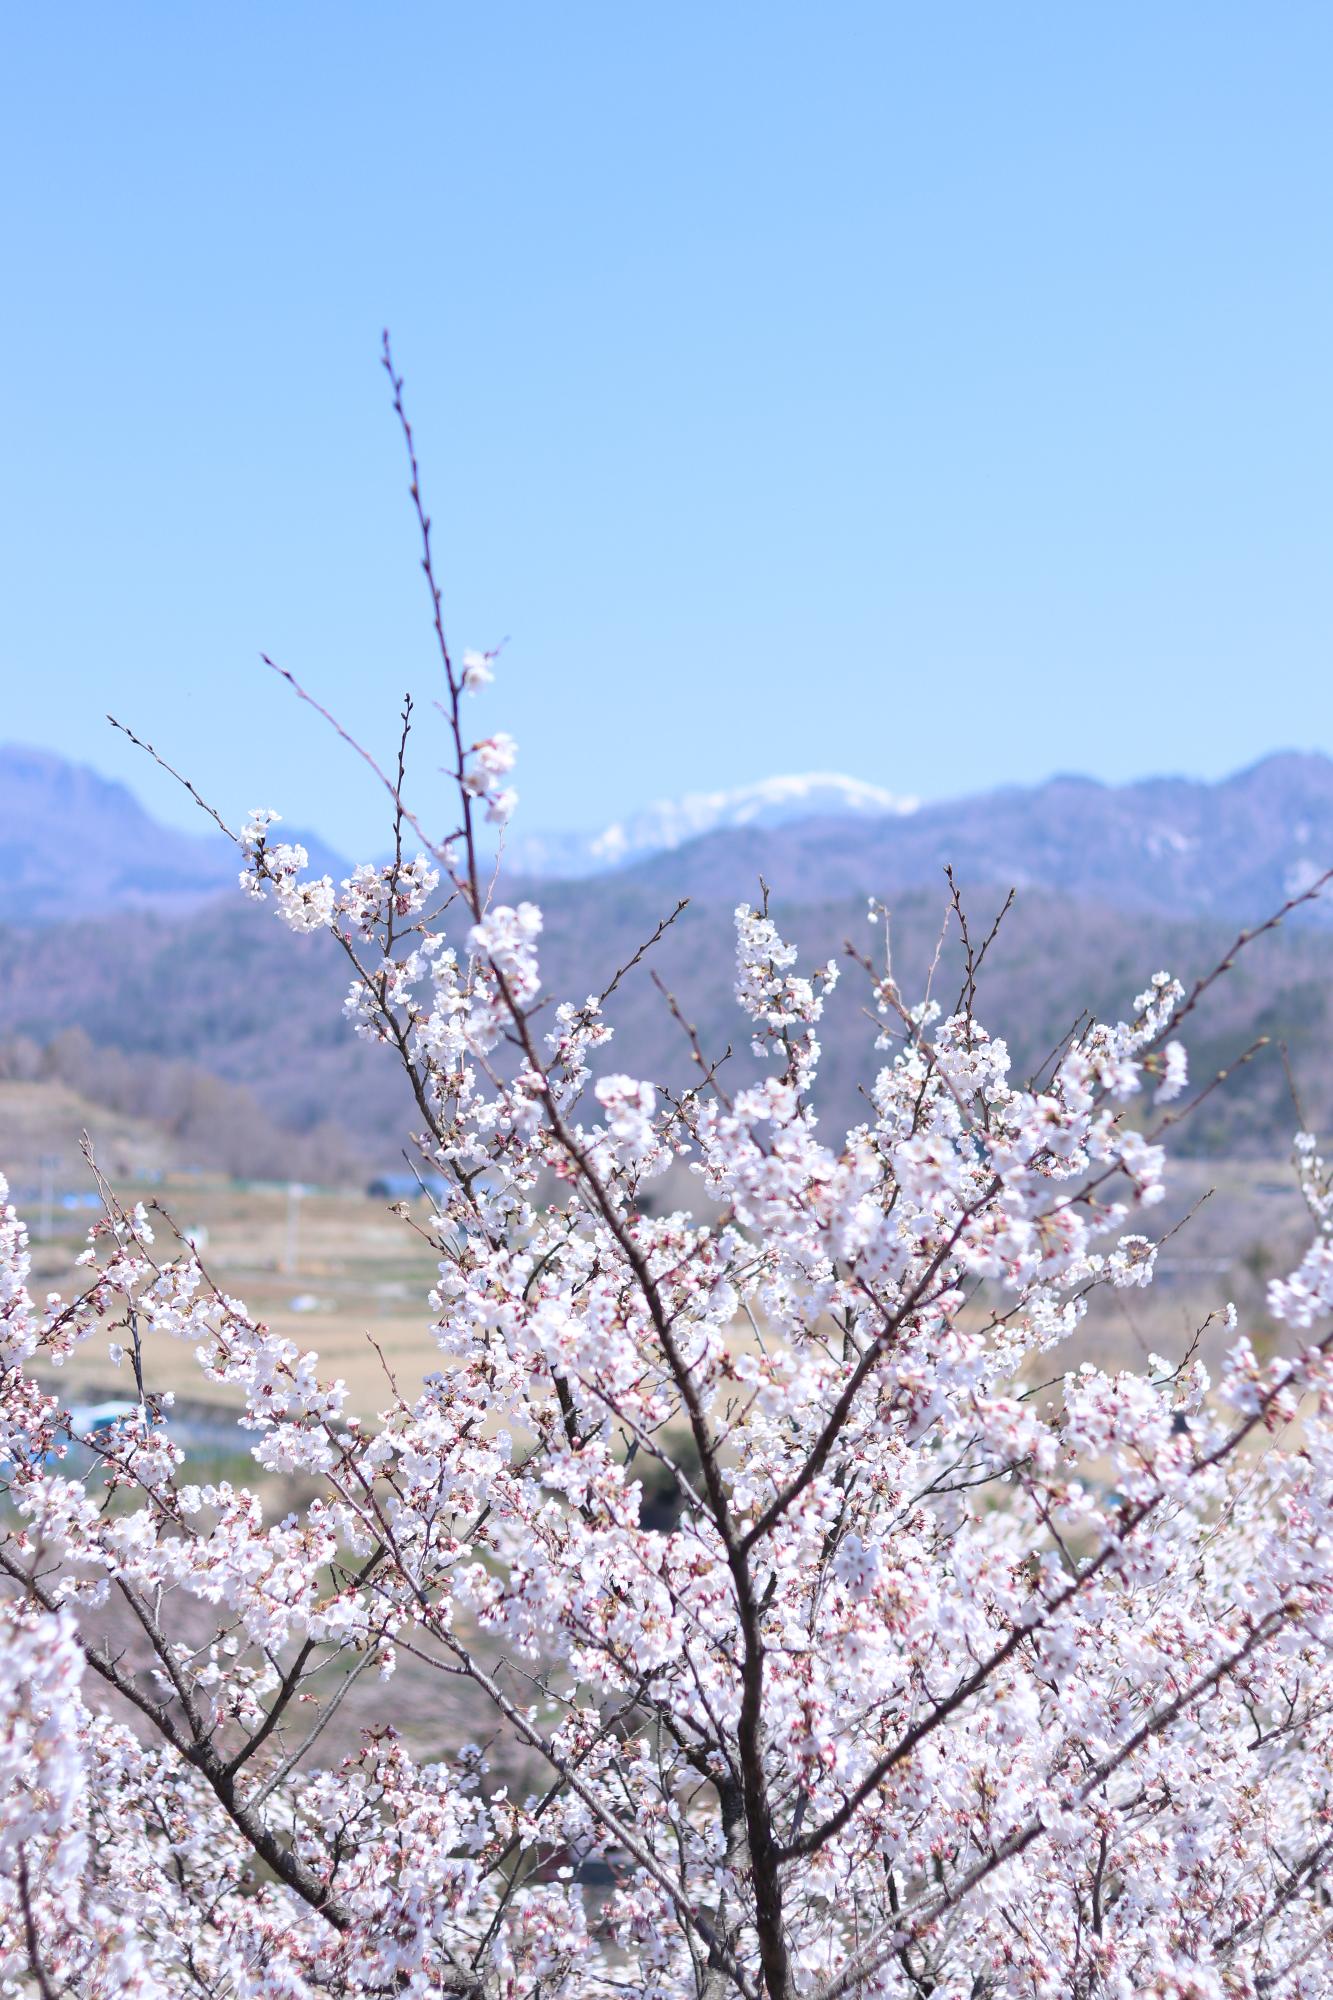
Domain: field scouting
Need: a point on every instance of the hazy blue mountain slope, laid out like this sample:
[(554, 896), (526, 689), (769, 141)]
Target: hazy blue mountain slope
[(113, 924), (1170, 845), (229, 988), (74, 844)]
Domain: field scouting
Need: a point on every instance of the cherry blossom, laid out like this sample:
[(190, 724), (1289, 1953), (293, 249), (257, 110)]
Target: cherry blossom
[(952, 1667)]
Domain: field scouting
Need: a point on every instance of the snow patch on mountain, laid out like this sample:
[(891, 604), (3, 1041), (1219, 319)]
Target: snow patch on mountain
[(669, 823)]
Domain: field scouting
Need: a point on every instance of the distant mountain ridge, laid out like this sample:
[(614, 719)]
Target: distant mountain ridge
[(137, 935), (75, 845), (669, 823), (1177, 847)]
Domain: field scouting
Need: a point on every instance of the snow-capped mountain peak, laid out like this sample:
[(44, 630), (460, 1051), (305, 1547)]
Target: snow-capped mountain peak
[(668, 823)]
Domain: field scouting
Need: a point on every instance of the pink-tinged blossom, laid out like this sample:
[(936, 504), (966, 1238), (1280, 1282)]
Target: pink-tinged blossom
[(42, 1770), (489, 763), (500, 805), (477, 671), (507, 938), (373, 896), (492, 757), (1175, 1072), (277, 868), (1307, 1294), (629, 1107)]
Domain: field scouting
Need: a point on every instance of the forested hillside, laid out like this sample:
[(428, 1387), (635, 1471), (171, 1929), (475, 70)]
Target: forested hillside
[(230, 990)]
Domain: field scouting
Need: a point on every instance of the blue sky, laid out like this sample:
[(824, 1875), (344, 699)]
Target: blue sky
[(936, 394)]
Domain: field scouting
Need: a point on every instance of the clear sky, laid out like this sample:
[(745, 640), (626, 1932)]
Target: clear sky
[(935, 393)]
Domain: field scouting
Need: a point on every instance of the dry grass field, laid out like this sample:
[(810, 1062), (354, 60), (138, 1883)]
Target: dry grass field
[(330, 1270)]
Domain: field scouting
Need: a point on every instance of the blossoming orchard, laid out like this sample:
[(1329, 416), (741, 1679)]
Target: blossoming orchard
[(959, 1671)]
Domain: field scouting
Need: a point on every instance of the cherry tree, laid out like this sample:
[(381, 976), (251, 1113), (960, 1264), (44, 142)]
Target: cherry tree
[(962, 1672)]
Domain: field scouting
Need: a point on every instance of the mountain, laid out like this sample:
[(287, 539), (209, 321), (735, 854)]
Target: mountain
[(136, 937), (227, 988), (75, 844), (1175, 846), (669, 823)]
